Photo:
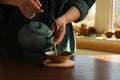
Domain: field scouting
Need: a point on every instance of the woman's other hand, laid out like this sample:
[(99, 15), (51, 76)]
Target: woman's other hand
[(61, 29), (66, 18)]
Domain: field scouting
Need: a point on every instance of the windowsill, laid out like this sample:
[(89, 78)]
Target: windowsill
[(91, 52), (98, 43)]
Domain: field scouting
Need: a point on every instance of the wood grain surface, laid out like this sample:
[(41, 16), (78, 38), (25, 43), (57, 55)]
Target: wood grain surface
[(87, 67)]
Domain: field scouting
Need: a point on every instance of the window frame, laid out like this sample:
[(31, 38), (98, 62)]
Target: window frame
[(104, 15)]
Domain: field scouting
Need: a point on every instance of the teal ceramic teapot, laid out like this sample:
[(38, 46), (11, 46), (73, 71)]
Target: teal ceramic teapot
[(36, 36)]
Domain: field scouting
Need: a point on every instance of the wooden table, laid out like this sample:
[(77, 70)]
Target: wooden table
[(87, 67)]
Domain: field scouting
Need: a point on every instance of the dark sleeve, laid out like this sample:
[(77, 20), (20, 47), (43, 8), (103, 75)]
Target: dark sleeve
[(83, 6), (6, 11)]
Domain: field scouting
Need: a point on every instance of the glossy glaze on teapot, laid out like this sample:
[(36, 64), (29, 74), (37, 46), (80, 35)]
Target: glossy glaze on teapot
[(36, 36)]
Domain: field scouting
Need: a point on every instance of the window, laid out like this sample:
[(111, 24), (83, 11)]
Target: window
[(103, 15), (107, 17), (90, 18), (116, 14)]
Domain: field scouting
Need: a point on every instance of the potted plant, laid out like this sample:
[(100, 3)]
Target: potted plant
[(83, 29)]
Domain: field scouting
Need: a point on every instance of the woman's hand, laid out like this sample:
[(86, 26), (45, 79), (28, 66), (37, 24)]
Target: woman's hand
[(27, 7), (61, 29), (30, 7), (66, 18)]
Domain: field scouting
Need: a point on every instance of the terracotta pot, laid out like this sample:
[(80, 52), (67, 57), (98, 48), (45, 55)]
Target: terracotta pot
[(91, 30), (83, 31), (86, 31), (108, 34), (117, 33)]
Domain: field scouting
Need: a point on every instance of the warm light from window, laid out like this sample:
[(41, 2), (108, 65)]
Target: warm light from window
[(116, 13), (109, 58), (90, 18)]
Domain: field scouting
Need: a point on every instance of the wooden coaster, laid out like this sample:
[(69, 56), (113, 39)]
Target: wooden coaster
[(67, 64)]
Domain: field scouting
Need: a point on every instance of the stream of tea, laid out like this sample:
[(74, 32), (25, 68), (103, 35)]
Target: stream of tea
[(56, 53), (55, 49)]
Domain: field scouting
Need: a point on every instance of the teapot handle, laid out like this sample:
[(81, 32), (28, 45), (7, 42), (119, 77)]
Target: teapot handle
[(54, 23)]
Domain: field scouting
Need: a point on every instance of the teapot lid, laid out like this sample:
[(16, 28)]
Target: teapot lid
[(39, 28)]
